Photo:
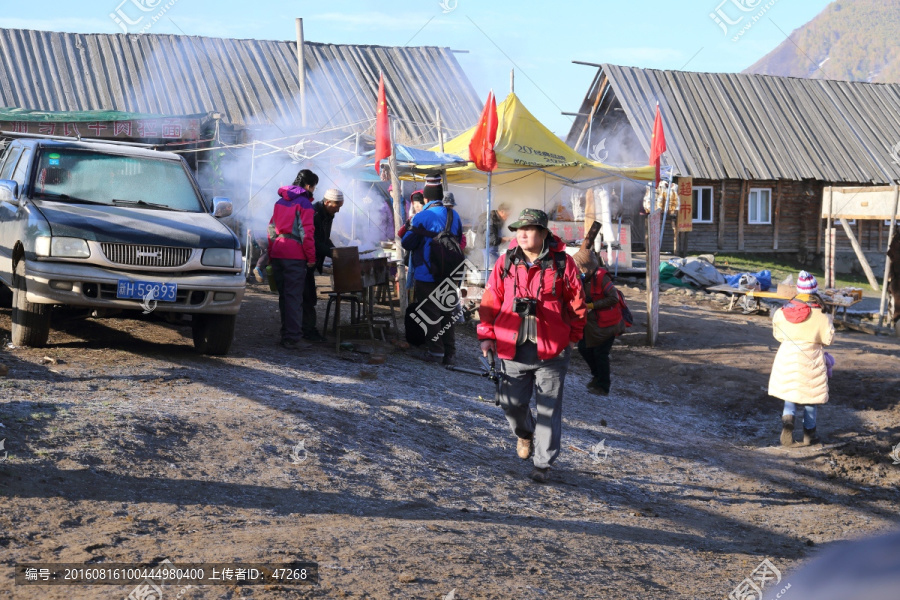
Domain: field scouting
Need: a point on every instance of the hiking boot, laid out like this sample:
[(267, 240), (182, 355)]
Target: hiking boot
[(787, 430), (258, 275), (294, 345), (314, 337), (524, 448), (810, 437), (541, 475), (449, 359), (432, 358), (595, 388)]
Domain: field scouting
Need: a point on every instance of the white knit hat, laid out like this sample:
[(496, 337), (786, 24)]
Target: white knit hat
[(334, 195), (807, 284)]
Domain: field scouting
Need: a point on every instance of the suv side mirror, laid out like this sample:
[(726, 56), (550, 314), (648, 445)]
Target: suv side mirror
[(221, 207), (9, 190)]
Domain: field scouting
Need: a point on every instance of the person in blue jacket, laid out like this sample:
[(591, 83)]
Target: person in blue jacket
[(417, 240)]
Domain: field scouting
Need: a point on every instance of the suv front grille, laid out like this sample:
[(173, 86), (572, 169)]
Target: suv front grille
[(145, 256)]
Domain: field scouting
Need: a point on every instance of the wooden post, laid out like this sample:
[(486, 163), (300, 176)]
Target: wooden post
[(590, 120), (301, 71), (887, 261), (745, 189), (721, 238), (653, 239), (778, 216), (819, 232), (859, 254)]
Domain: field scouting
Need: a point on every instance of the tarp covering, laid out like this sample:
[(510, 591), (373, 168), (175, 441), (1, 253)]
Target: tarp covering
[(409, 160), (525, 145)]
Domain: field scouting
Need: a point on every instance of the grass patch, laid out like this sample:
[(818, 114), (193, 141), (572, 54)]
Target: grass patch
[(781, 268)]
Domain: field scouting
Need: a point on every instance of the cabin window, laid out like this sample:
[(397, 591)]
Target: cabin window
[(702, 210), (760, 206)]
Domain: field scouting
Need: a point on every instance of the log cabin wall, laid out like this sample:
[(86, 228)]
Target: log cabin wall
[(793, 221)]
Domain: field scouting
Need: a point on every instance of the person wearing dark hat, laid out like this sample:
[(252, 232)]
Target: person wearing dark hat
[(417, 240), (323, 218), (532, 314)]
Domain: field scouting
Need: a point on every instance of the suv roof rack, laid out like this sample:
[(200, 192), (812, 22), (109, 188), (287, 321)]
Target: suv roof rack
[(62, 138)]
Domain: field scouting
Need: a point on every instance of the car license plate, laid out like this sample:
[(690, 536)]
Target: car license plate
[(140, 290)]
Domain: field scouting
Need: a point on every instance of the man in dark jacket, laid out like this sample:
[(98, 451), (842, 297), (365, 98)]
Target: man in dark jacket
[(323, 218), (417, 240)]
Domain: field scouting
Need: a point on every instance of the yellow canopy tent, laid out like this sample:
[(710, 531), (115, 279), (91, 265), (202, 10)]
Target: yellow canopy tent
[(526, 147), (533, 167)]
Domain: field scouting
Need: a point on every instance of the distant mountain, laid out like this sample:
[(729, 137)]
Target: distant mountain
[(850, 40)]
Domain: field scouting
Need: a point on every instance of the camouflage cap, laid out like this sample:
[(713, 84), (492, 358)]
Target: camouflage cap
[(530, 216)]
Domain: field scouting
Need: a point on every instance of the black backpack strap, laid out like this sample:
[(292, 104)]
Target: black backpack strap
[(559, 263), (507, 263), (449, 222)]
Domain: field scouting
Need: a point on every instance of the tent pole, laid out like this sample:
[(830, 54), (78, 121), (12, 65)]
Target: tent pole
[(398, 223)]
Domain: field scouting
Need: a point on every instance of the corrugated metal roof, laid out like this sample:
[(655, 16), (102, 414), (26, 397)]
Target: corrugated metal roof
[(743, 126), (252, 82)]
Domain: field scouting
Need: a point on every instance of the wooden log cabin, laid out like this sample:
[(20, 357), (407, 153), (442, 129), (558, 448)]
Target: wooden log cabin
[(760, 151)]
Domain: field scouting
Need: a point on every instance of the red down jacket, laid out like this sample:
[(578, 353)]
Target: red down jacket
[(291, 228), (560, 316)]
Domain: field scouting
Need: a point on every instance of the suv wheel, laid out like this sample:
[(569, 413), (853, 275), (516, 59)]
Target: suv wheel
[(30, 322), (213, 333)]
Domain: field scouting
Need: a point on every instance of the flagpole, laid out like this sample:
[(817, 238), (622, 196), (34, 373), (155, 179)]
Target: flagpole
[(487, 233)]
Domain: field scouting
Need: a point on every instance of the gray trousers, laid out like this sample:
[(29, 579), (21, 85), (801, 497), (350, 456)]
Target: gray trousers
[(525, 374)]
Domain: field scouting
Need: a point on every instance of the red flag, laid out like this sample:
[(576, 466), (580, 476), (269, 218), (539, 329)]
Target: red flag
[(481, 148), (382, 128), (657, 142)]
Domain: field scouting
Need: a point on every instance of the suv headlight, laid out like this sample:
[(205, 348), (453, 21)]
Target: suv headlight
[(218, 257), (61, 247)]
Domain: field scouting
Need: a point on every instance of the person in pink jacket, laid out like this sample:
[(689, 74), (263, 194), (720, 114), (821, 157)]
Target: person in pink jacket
[(800, 371), (292, 250)]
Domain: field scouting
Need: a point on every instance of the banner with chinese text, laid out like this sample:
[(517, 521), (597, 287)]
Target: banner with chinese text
[(685, 206)]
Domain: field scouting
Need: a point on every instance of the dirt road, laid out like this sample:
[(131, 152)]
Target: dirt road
[(126, 446)]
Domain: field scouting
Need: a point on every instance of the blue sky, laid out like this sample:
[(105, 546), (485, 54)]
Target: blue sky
[(539, 40)]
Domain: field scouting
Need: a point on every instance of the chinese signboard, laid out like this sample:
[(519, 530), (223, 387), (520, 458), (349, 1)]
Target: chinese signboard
[(685, 206), (168, 128)]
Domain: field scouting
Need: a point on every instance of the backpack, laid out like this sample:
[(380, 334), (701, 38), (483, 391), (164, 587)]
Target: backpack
[(446, 253), (626, 312), (559, 265)]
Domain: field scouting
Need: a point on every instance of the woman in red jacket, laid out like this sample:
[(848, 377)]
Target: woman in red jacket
[(604, 319), (292, 250)]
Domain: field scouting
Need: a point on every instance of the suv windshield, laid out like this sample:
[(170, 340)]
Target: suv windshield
[(80, 175)]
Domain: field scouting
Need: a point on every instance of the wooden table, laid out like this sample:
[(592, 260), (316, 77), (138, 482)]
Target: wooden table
[(756, 295)]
